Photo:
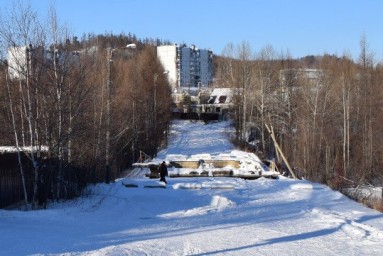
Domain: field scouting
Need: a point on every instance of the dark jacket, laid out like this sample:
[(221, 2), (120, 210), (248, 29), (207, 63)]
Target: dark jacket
[(163, 170)]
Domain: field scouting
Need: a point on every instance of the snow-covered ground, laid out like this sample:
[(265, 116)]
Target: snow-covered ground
[(197, 216), (210, 144), (192, 137)]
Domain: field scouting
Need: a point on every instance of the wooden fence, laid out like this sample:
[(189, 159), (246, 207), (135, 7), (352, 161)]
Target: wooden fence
[(11, 188), (52, 184)]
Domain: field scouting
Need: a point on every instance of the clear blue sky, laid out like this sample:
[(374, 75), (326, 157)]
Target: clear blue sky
[(301, 26)]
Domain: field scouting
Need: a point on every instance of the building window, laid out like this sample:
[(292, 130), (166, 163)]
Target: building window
[(222, 99)]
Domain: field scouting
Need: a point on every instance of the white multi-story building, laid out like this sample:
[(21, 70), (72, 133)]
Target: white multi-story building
[(17, 62), (187, 66), (23, 59)]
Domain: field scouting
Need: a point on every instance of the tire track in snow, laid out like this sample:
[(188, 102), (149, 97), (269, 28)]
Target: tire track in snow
[(352, 228), (217, 204)]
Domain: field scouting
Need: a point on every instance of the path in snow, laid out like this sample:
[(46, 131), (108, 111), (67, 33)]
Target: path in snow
[(193, 137)]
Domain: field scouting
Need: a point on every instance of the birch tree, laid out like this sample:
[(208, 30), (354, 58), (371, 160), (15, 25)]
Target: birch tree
[(227, 74), (245, 84), (22, 29), (287, 105), (346, 78), (50, 91), (365, 91), (265, 84)]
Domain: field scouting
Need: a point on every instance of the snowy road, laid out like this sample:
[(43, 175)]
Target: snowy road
[(198, 216), (191, 138)]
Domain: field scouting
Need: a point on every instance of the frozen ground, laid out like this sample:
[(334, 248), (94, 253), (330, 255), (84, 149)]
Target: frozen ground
[(197, 216)]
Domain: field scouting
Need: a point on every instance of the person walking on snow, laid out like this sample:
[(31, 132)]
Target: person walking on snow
[(163, 172)]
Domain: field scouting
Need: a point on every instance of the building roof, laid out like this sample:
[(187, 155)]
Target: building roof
[(221, 95)]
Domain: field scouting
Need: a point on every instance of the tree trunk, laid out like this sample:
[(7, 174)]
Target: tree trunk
[(17, 145)]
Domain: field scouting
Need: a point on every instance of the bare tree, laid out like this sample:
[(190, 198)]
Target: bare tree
[(366, 90), (23, 28), (245, 82), (265, 83), (15, 131), (346, 78), (286, 108), (227, 75), (51, 91)]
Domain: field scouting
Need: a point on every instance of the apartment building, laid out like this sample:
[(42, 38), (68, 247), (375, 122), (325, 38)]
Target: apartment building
[(18, 59), (24, 59), (188, 67)]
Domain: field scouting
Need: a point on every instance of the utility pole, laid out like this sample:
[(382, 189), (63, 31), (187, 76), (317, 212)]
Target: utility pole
[(108, 102), (108, 108), (155, 78)]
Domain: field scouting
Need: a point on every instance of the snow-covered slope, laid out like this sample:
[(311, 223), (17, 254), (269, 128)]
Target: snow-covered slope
[(197, 216)]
